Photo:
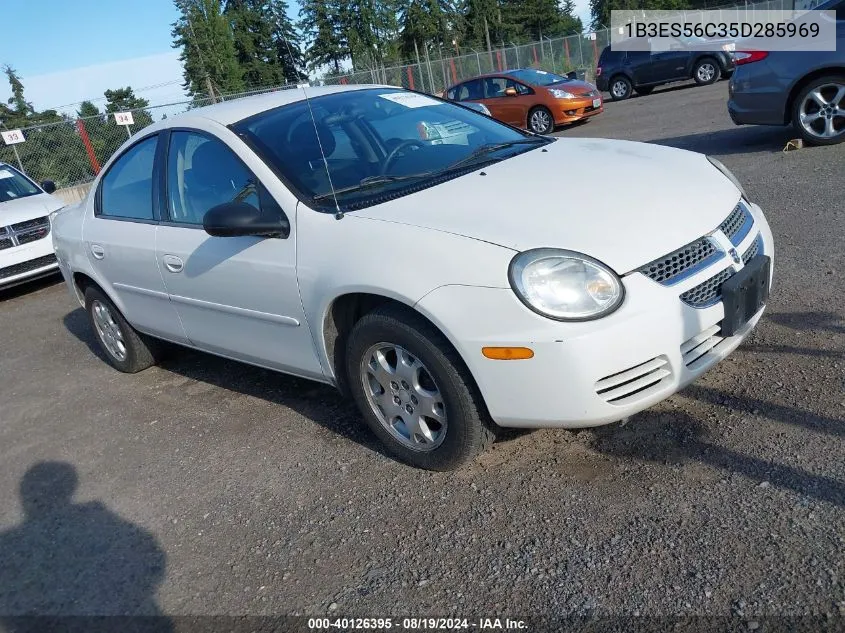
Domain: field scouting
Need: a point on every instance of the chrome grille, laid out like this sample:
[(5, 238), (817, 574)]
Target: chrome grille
[(737, 224), (708, 292), (25, 267), (25, 232), (681, 263), (753, 250)]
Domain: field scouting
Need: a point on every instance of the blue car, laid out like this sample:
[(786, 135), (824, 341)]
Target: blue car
[(806, 89)]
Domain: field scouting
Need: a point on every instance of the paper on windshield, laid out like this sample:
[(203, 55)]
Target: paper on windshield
[(5, 173), (410, 99)]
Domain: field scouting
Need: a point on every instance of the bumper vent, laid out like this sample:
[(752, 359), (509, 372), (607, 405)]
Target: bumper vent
[(698, 346), (635, 383), (25, 267)]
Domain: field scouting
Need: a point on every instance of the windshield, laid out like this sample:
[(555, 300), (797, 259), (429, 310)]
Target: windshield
[(375, 141), (14, 185), (536, 77)]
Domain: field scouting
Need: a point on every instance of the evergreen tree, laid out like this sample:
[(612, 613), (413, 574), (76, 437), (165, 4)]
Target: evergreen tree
[(252, 32), (321, 22), (124, 100), (209, 58), (87, 109), (22, 107), (287, 43)]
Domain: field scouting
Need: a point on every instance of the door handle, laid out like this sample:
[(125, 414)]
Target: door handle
[(98, 251), (173, 264)]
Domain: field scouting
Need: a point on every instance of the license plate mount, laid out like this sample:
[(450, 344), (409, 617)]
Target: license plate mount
[(596, 103), (745, 293)]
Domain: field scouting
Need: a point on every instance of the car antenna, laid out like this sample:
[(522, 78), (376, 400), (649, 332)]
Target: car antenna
[(338, 213)]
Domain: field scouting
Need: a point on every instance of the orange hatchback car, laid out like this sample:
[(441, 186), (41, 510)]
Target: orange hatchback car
[(529, 98)]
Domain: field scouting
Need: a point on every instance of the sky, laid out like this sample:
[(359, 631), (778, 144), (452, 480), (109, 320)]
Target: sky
[(66, 52)]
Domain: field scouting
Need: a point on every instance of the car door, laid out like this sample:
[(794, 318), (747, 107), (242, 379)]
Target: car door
[(236, 296), (505, 108), (119, 236), (641, 66), (672, 64)]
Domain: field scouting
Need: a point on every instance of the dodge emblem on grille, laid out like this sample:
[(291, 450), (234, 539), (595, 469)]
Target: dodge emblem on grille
[(734, 256)]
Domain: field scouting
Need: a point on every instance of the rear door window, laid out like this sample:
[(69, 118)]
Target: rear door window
[(126, 190)]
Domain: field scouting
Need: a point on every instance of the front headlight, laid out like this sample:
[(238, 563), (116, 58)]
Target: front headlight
[(565, 285), (561, 94), (727, 173)]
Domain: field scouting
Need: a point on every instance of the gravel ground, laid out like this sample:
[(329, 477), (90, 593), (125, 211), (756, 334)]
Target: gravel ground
[(210, 487)]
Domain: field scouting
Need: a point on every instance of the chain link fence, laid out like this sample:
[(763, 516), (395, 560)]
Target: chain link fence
[(71, 152)]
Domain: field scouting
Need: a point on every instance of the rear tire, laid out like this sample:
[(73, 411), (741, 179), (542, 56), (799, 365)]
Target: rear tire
[(810, 118), (540, 120), (620, 88), (644, 91), (706, 71), (423, 405), (125, 348)]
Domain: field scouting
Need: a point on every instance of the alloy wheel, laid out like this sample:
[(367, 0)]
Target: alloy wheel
[(619, 89), (540, 121), (108, 330), (706, 72), (404, 396), (822, 112)]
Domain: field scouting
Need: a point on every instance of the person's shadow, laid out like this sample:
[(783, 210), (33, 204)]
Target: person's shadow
[(76, 559)]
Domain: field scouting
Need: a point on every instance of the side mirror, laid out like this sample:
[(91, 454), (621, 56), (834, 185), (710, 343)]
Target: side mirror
[(572, 74), (48, 186), (510, 92), (237, 219)]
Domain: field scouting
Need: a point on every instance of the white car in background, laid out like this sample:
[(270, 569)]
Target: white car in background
[(450, 288), (25, 209)]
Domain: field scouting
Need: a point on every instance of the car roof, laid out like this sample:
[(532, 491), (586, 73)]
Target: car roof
[(228, 112), (500, 73)]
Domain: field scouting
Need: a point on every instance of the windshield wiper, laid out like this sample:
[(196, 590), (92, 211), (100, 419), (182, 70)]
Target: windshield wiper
[(369, 181), (483, 151)]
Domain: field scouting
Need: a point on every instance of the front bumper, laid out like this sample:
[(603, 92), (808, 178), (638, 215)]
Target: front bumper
[(572, 110), (595, 372), (20, 264)]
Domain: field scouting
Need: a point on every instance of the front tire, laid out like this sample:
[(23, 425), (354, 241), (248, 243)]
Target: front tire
[(414, 390), (541, 121), (818, 113), (706, 71), (125, 348), (620, 88)]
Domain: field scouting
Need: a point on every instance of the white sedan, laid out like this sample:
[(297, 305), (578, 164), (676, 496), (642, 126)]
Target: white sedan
[(451, 273), (25, 210)]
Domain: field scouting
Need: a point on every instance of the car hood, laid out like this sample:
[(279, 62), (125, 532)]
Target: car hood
[(621, 202), (574, 86), (28, 208)]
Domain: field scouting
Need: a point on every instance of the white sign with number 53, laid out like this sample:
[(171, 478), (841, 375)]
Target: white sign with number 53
[(123, 118), (10, 137)]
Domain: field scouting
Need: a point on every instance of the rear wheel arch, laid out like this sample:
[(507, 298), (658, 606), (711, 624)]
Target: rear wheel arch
[(799, 85)]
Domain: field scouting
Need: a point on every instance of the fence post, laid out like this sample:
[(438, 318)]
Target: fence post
[(566, 50), (454, 71), (92, 157), (536, 61), (478, 59), (410, 77), (499, 59)]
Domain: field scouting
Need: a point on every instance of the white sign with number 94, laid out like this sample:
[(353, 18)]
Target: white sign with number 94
[(123, 118), (10, 137)]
